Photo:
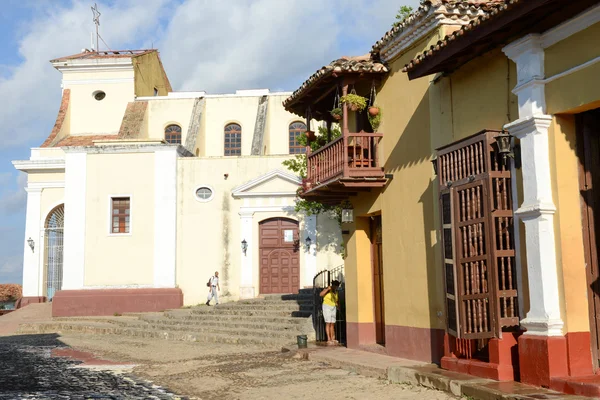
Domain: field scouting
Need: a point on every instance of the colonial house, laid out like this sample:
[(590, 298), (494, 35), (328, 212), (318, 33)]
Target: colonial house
[(140, 193), (485, 263)]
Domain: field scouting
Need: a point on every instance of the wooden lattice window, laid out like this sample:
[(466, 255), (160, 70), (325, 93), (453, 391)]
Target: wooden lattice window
[(173, 134), (296, 129), (233, 140), (477, 235), (120, 214)]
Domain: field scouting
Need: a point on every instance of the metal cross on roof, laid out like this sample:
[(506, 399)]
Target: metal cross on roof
[(96, 20)]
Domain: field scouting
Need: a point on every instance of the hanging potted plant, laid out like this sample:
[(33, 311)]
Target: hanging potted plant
[(354, 102), (336, 113), (375, 120), (373, 110), (310, 135)]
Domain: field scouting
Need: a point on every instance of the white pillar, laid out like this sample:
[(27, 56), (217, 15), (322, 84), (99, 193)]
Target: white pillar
[(32, 268), (74, 230), (247, 290), (310, 257), (165, 218), (537, 210)]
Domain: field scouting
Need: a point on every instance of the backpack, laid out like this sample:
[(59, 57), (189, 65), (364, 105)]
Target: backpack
[(209, 281)]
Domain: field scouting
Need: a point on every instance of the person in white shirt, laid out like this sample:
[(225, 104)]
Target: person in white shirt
[(212, 289)]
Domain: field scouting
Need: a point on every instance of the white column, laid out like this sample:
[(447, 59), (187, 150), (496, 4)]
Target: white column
[(310, 257), (74, 234), (247, 290), (537, 210), (165, 218), (32, 268)]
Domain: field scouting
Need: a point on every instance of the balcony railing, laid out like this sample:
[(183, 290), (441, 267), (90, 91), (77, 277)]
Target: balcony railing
[(346, 159)]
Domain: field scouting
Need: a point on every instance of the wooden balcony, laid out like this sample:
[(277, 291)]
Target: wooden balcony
[(347, 165)]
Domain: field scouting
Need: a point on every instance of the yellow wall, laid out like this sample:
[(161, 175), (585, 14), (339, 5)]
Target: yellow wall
[(128, 259), (87, 115), (149, 75), (161, 113)]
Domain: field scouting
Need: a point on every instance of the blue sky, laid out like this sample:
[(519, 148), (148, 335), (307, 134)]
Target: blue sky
[(218, 46)]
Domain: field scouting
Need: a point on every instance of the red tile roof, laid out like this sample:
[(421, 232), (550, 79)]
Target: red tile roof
[(88, 54)]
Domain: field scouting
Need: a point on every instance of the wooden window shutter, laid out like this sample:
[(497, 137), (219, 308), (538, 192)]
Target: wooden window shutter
[(477, 235)]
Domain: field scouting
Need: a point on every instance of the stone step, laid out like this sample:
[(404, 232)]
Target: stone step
[(271, 301), (262, 305), (111, 329), (230, 324), (211, 328), (215, 317), (289, 297), (249, 311)]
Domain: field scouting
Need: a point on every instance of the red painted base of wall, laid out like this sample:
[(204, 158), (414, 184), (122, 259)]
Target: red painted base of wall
[(503, 362), (400, 341), (24, 301), (95, 302), (543, 358)]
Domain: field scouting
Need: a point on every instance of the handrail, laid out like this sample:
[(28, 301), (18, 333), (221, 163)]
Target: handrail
[(328, 145)]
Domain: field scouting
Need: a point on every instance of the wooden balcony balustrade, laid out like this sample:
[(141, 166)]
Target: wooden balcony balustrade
[(351, 160)]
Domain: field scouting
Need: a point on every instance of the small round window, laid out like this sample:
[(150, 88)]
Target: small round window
[(204, 193), (99, 95)]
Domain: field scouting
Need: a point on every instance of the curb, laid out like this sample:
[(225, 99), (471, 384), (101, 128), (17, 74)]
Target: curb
[(433, 377)]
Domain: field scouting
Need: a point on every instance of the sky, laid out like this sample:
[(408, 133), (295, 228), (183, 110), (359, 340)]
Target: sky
[(217, 46)]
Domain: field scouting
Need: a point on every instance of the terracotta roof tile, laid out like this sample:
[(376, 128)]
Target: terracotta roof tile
[(132, 122), (445, 9), (105, 54), (493, 9), (60, 119), (361, 64)]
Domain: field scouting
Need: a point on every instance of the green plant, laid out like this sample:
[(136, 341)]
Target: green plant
[(354, 101), (403, 13), (117, 314), (375, 120), (336, 113)]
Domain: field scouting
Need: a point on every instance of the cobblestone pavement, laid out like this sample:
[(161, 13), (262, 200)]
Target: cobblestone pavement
[(29, 371)]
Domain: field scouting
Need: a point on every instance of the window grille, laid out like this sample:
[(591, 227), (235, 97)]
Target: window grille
[(295, 130), (173, 134), (233, 140), (53, 251), (120, 214), (477, 235)]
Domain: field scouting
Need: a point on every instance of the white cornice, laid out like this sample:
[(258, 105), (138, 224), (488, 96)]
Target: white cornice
[(130, 148), (72, 82), (44, 185), (242, 190), (44, 165)]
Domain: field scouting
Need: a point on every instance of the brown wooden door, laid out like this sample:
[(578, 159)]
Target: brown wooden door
[(279, 256), (378, 296), (588, 147)]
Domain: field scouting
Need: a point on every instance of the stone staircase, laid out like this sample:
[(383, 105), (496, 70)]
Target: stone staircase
[(272, 321)]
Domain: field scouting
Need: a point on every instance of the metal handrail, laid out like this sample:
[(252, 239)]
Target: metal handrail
[(321, 281)]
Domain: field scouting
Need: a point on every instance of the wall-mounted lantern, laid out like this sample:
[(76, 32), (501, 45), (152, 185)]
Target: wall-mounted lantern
[(503, 141), (347, 213), (308, 242), (31, 244), (435, 166), (244, 246)]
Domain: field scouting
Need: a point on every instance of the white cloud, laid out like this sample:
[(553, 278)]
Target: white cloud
[(10, 269)]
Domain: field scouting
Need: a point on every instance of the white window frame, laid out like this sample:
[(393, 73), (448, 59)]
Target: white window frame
[(204, 200), (110, 217)]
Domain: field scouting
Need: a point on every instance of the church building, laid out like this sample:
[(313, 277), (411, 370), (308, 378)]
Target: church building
[(139, 194)]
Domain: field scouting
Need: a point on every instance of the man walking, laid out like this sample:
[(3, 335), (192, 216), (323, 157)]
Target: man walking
[(212, 289)]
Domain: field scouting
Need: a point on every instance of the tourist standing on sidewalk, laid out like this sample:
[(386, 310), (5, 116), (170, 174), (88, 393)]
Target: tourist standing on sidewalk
[(330, 305), (213, 289)]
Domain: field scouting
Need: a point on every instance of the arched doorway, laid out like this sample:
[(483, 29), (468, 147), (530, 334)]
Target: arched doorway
[(53, 246), (279, 256)]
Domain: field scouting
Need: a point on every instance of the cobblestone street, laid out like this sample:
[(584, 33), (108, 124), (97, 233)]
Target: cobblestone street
[(29, 371), (195, 370)]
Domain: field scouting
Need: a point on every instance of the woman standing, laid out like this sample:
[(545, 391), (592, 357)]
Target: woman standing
[(330, 305)]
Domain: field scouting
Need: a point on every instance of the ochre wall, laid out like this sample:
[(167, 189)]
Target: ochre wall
[(128, 259), (149, 75)]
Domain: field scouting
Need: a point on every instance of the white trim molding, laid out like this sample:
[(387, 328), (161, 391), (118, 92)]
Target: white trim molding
[(243, 190), (42, 165), (165, 218), (574, 25), (537, 210), (75, 221), (209, 187), (32, 266)]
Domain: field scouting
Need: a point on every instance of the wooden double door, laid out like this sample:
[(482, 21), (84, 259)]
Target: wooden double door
[(588, 149), (279, 252)]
